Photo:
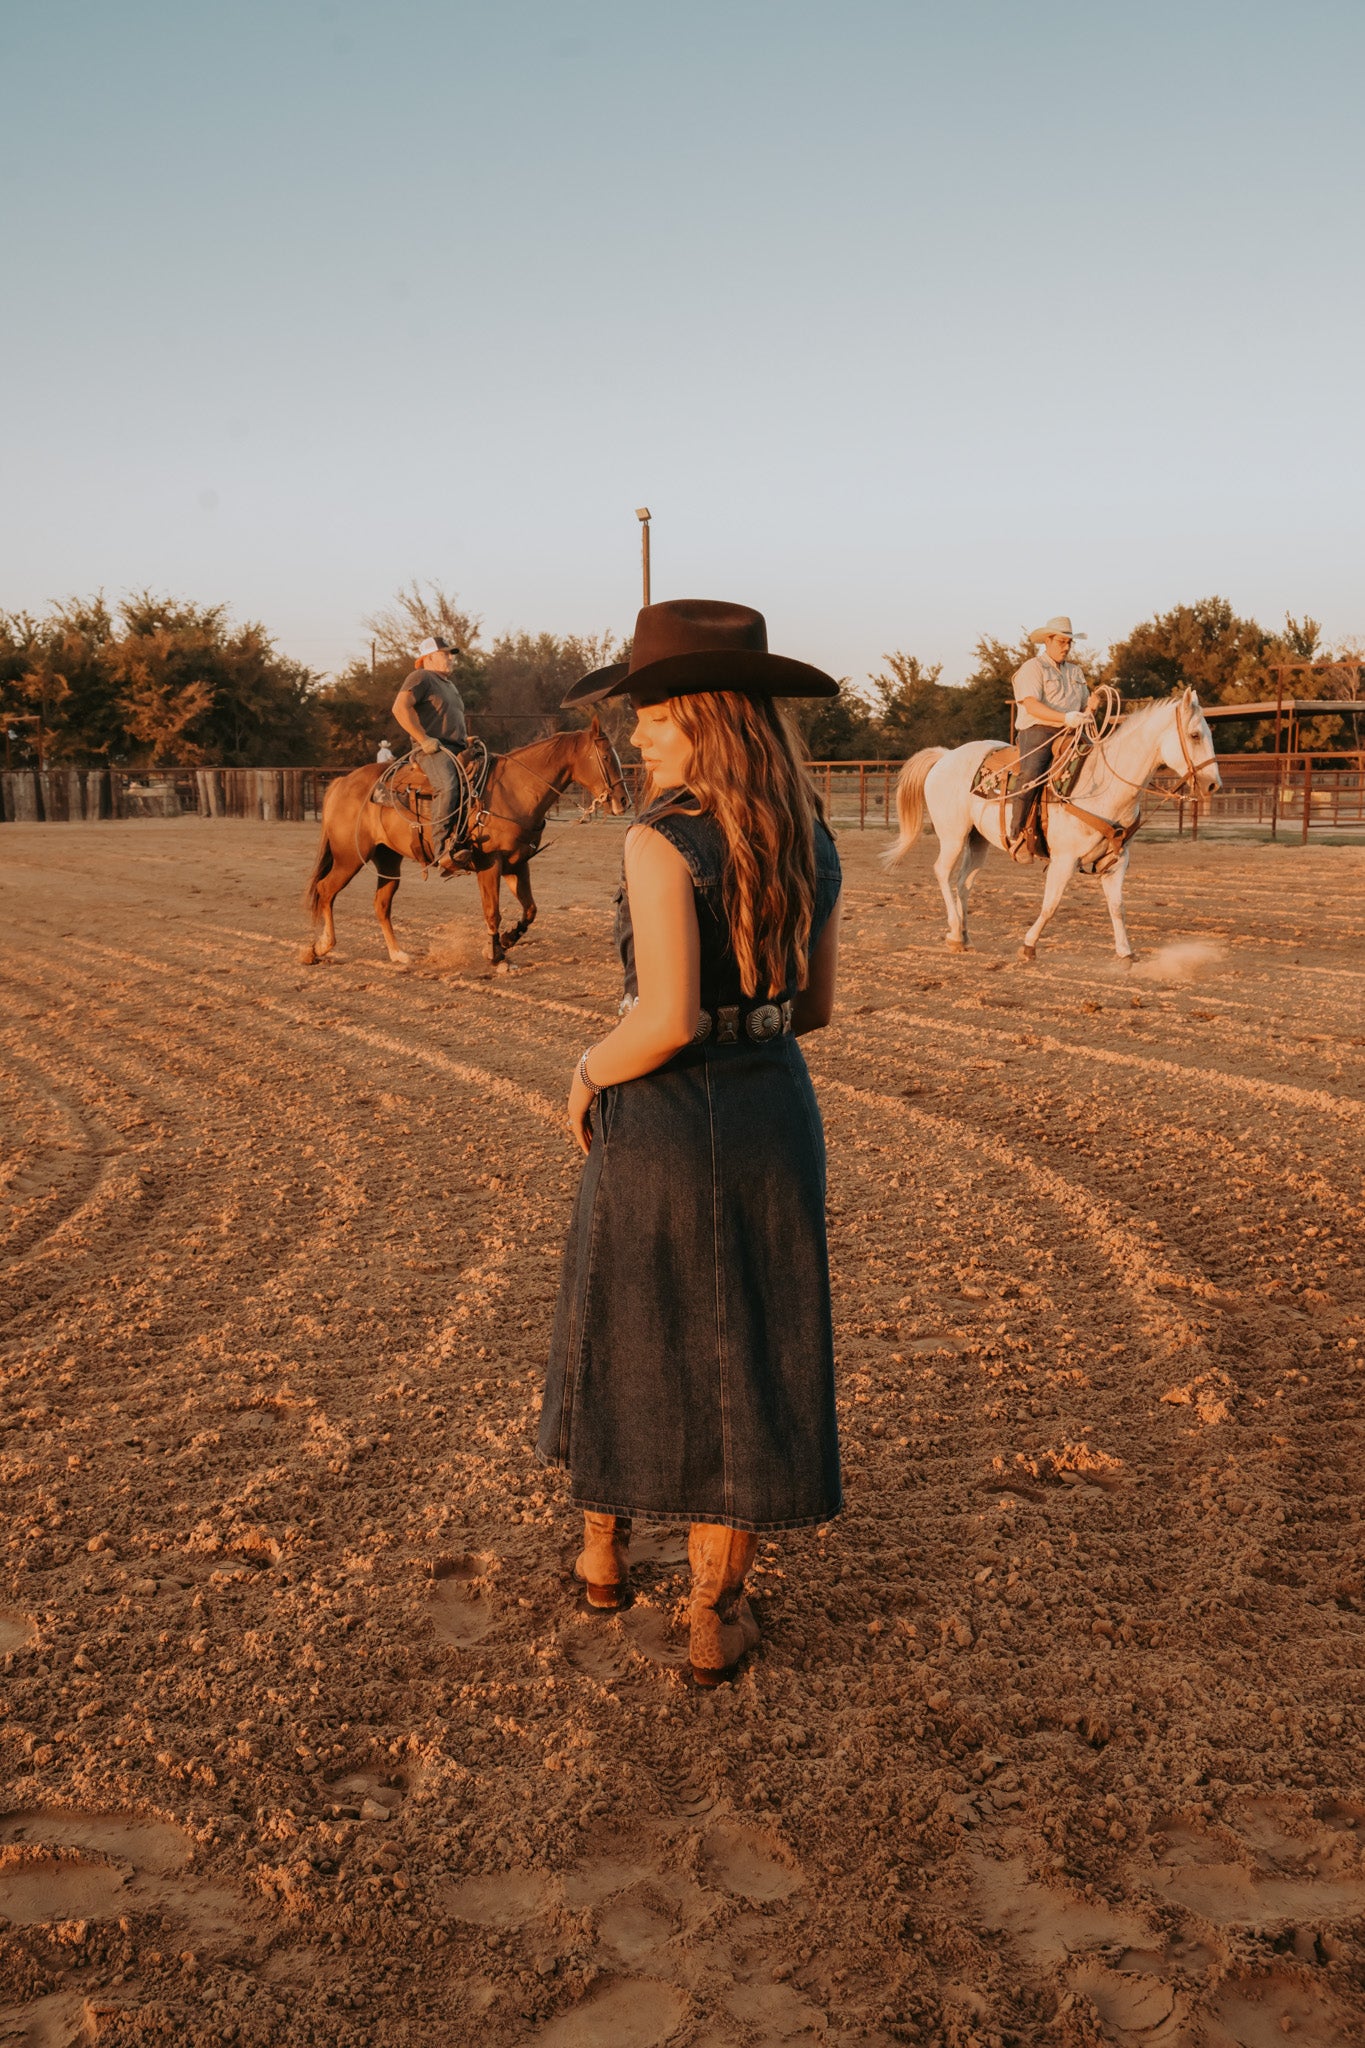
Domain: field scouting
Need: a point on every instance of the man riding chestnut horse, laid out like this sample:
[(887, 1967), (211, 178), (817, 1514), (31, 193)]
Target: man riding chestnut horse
[(431, 711), (375, 815)]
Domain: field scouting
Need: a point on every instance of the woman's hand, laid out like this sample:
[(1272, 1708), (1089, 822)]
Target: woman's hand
[(581, 1100)]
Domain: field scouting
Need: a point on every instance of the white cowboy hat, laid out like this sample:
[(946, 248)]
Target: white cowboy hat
[(1060, 624)]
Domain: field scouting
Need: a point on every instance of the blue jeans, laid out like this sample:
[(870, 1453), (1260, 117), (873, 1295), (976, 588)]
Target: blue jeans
[(1035, 744), (444, 776)]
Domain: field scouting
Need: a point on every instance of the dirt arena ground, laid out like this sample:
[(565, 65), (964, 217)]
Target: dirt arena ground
[(1056, 1737)]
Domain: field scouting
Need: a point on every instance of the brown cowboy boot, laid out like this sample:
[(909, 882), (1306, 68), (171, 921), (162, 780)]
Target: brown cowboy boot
[(604, 1561), (722, 1622)]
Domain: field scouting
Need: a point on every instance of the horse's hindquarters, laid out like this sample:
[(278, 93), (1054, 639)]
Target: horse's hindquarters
[(953, 811)]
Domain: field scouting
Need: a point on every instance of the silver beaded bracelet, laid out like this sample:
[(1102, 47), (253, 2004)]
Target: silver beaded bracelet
[(584, 1076)]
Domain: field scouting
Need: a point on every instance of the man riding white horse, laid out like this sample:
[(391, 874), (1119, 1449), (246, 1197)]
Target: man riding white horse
[(1052, 697)]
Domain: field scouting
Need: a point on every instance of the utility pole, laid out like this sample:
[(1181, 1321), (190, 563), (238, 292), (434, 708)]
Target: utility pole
[(642, 514)]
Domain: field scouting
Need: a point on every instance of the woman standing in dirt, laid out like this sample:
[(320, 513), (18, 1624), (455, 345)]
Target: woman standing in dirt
[(691, 1371)]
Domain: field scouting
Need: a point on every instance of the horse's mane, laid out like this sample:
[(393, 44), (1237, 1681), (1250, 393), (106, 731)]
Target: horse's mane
[(569, 734), (1148, 713)]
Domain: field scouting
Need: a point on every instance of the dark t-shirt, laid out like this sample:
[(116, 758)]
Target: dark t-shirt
[(439, 705)]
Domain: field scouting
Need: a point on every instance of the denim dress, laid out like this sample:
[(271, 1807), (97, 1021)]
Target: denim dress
[(691, 1369)]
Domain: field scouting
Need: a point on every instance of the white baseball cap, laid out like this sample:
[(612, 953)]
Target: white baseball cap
[(431, 646)]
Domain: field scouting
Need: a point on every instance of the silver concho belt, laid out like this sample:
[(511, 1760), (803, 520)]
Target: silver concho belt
[(762, 1022)]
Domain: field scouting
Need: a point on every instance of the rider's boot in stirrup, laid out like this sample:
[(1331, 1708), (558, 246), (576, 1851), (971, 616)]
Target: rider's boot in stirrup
[(603, 1563)]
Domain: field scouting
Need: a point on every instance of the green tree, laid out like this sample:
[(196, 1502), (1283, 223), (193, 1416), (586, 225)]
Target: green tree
[(191, 688), (418, 611), (911, 708), (524, 677), (837, 728), (157, 683), (1204, 645)]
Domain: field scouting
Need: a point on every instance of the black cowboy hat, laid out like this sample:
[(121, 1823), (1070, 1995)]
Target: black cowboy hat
[(690, 646)]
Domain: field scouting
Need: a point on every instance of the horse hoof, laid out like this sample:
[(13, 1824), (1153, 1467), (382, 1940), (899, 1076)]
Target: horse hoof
[(400, 959), (501, 967), (1028, 953), (956, 945), (308, 956)]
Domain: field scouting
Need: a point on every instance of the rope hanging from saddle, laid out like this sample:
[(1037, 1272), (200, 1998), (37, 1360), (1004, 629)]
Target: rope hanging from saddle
[(396, 791)]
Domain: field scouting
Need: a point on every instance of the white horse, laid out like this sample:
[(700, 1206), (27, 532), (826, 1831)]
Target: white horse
[(1095, 823)]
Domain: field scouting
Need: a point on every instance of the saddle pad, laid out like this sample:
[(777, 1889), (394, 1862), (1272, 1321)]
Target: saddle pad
[(403, 787), (992, 777)]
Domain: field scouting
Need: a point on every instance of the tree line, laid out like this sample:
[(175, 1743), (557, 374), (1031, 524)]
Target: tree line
[(153, 681)]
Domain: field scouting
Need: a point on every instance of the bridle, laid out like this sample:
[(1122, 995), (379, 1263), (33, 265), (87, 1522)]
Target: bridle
[(1192, 767), (604, 752)]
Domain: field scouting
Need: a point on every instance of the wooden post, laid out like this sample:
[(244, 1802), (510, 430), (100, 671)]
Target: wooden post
[(1194, 814), (1307, 796), (862, 796), (1180, 815)]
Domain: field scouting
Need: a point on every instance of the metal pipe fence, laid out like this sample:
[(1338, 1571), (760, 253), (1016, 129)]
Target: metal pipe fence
[(1282, 792)]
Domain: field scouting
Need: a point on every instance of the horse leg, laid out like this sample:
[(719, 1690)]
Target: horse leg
[(490, 881), (946, 869), (388, 874), (1112, 885), (972, 859), (521, 882), (1058, 875), (344, 870)]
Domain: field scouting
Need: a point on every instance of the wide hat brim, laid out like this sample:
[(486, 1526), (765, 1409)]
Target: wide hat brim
[(1041, 633), (747, 671)]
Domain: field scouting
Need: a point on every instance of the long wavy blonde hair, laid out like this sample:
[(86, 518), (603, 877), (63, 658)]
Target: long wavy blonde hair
[(750, 772)]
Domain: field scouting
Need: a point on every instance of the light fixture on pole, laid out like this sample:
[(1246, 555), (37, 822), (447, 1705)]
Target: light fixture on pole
[(642, 514)]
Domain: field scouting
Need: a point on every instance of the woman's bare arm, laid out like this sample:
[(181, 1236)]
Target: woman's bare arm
[(663, 917), (814, 1006)]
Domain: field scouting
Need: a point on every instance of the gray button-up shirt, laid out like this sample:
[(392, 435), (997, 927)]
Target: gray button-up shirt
[(1061, 687)]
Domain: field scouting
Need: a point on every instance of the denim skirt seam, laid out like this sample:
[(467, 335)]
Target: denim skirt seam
[(722, 1354), (576, 1349), (717, 1518)]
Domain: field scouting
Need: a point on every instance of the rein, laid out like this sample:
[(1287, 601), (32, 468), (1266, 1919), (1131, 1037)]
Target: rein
[(1099, 729), (611, 784), (1116, 836)]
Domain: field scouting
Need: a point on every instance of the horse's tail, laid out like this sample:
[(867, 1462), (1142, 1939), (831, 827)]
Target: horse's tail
[(324, 867), (910, 801)]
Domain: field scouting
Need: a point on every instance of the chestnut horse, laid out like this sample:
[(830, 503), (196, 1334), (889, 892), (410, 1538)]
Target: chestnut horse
[(505, 832)]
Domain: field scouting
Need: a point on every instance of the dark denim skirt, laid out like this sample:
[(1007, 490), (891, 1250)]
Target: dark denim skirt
[(692, 1361)]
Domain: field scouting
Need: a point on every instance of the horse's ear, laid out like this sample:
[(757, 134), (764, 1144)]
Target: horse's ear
[(595, 726)]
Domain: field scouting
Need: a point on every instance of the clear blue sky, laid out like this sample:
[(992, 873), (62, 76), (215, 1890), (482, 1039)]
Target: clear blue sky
[(909, 321)]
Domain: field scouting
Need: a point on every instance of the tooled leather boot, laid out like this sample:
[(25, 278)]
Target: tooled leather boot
[(604, 1561), (722, 1622)]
